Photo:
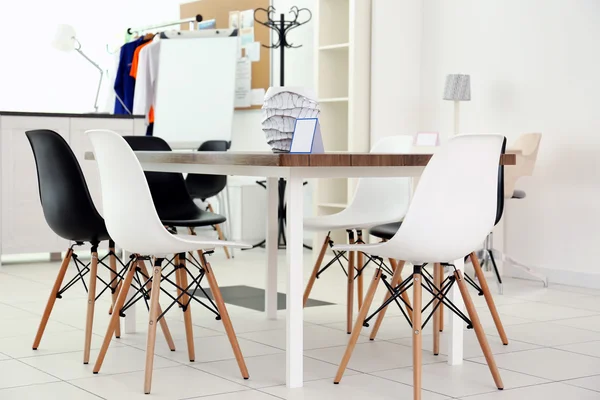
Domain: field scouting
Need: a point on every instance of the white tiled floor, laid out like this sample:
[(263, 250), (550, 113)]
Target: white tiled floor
[(554, 350)]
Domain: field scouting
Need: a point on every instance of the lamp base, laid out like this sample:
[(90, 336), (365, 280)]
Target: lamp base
[(456, 117)]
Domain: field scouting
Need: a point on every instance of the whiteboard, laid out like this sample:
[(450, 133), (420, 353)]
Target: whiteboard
[(195, 90)]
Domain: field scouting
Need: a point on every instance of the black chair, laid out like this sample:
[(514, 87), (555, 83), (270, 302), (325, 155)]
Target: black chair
[(70, 212), (174, 205), (204, 186), (387, 231)]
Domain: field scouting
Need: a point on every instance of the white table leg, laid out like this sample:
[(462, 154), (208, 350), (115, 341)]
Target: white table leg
[(271, 244), (455, 345), (130, 319), (295, 282)]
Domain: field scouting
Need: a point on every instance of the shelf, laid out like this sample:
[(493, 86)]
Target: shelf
[(335, 46), (333, 205), (334, 100), (333, 73), (334, 21)]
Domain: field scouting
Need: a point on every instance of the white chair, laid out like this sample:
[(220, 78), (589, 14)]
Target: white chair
[(133, 222), (448, 217), (376, 201)]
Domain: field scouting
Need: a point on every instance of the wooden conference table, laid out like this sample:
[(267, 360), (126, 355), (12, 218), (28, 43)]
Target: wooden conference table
[(296, 168)]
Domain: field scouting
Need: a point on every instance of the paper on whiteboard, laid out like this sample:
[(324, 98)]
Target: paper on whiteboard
[(243, 82)]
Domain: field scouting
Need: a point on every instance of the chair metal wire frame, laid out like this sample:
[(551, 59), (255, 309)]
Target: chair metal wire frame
[(83, 269), (440, 295)]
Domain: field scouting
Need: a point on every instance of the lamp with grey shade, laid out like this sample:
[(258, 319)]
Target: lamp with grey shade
[(458, 88)]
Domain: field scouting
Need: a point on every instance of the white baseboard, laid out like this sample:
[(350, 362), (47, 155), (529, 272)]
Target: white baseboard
[(558, 276)]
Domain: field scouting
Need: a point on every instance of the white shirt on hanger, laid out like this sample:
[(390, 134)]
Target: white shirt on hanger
[(147, 75)]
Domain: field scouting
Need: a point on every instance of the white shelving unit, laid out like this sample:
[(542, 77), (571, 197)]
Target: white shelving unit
[(343, 74)]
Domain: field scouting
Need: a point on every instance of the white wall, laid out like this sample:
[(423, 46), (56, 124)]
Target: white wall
[(395, 67), (534, 68)]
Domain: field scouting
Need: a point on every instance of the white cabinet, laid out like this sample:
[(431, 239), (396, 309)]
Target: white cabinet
[(23, 227)]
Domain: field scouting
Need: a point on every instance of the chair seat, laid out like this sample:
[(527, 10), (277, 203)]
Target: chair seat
[(193, 219), (183, 243), (519, 194), (346, 220), (385, 231)]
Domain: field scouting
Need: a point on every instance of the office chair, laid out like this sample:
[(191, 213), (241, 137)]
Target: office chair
[(527, 147), (448, 217), (70, 212), (134, 222)]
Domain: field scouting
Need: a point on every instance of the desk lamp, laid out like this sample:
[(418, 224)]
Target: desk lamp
[(65, 40)]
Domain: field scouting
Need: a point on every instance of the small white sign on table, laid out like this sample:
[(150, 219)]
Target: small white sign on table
[(427, 139), (307, 137)]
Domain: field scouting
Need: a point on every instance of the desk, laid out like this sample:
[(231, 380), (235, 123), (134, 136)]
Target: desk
[(296, 168)]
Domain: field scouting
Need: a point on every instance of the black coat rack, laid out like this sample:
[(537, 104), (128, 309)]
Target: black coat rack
[(281, 28)]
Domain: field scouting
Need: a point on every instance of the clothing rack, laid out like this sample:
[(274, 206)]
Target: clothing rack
[(197, 18)]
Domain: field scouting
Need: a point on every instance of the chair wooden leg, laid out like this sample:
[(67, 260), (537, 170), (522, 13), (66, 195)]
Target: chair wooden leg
[(437, 281), (417, 334), (220, 233), (52, 299), (163, 321), (113, 286), (359, 264), (187, 312), (488, 298), (154, 306), (396, 279), (89, 322), (350, 286), (177, 279), (362, 314), (216, 291), (483, 342), (313, 275), (112, 324)]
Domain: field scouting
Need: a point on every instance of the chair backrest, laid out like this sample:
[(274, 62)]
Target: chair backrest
[(455, 204), (529, 145), (68, 207), (169, 192), (500, 191), (215, 145), (386, 196), (203, 186), (129, 211)]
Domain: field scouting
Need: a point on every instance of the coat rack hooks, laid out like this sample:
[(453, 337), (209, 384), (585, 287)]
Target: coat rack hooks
[(282, 28)]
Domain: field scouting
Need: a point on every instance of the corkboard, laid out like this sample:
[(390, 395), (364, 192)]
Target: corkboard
[(219, 11)]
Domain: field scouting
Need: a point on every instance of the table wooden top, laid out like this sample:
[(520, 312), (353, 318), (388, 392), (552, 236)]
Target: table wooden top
[(265, 159)]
